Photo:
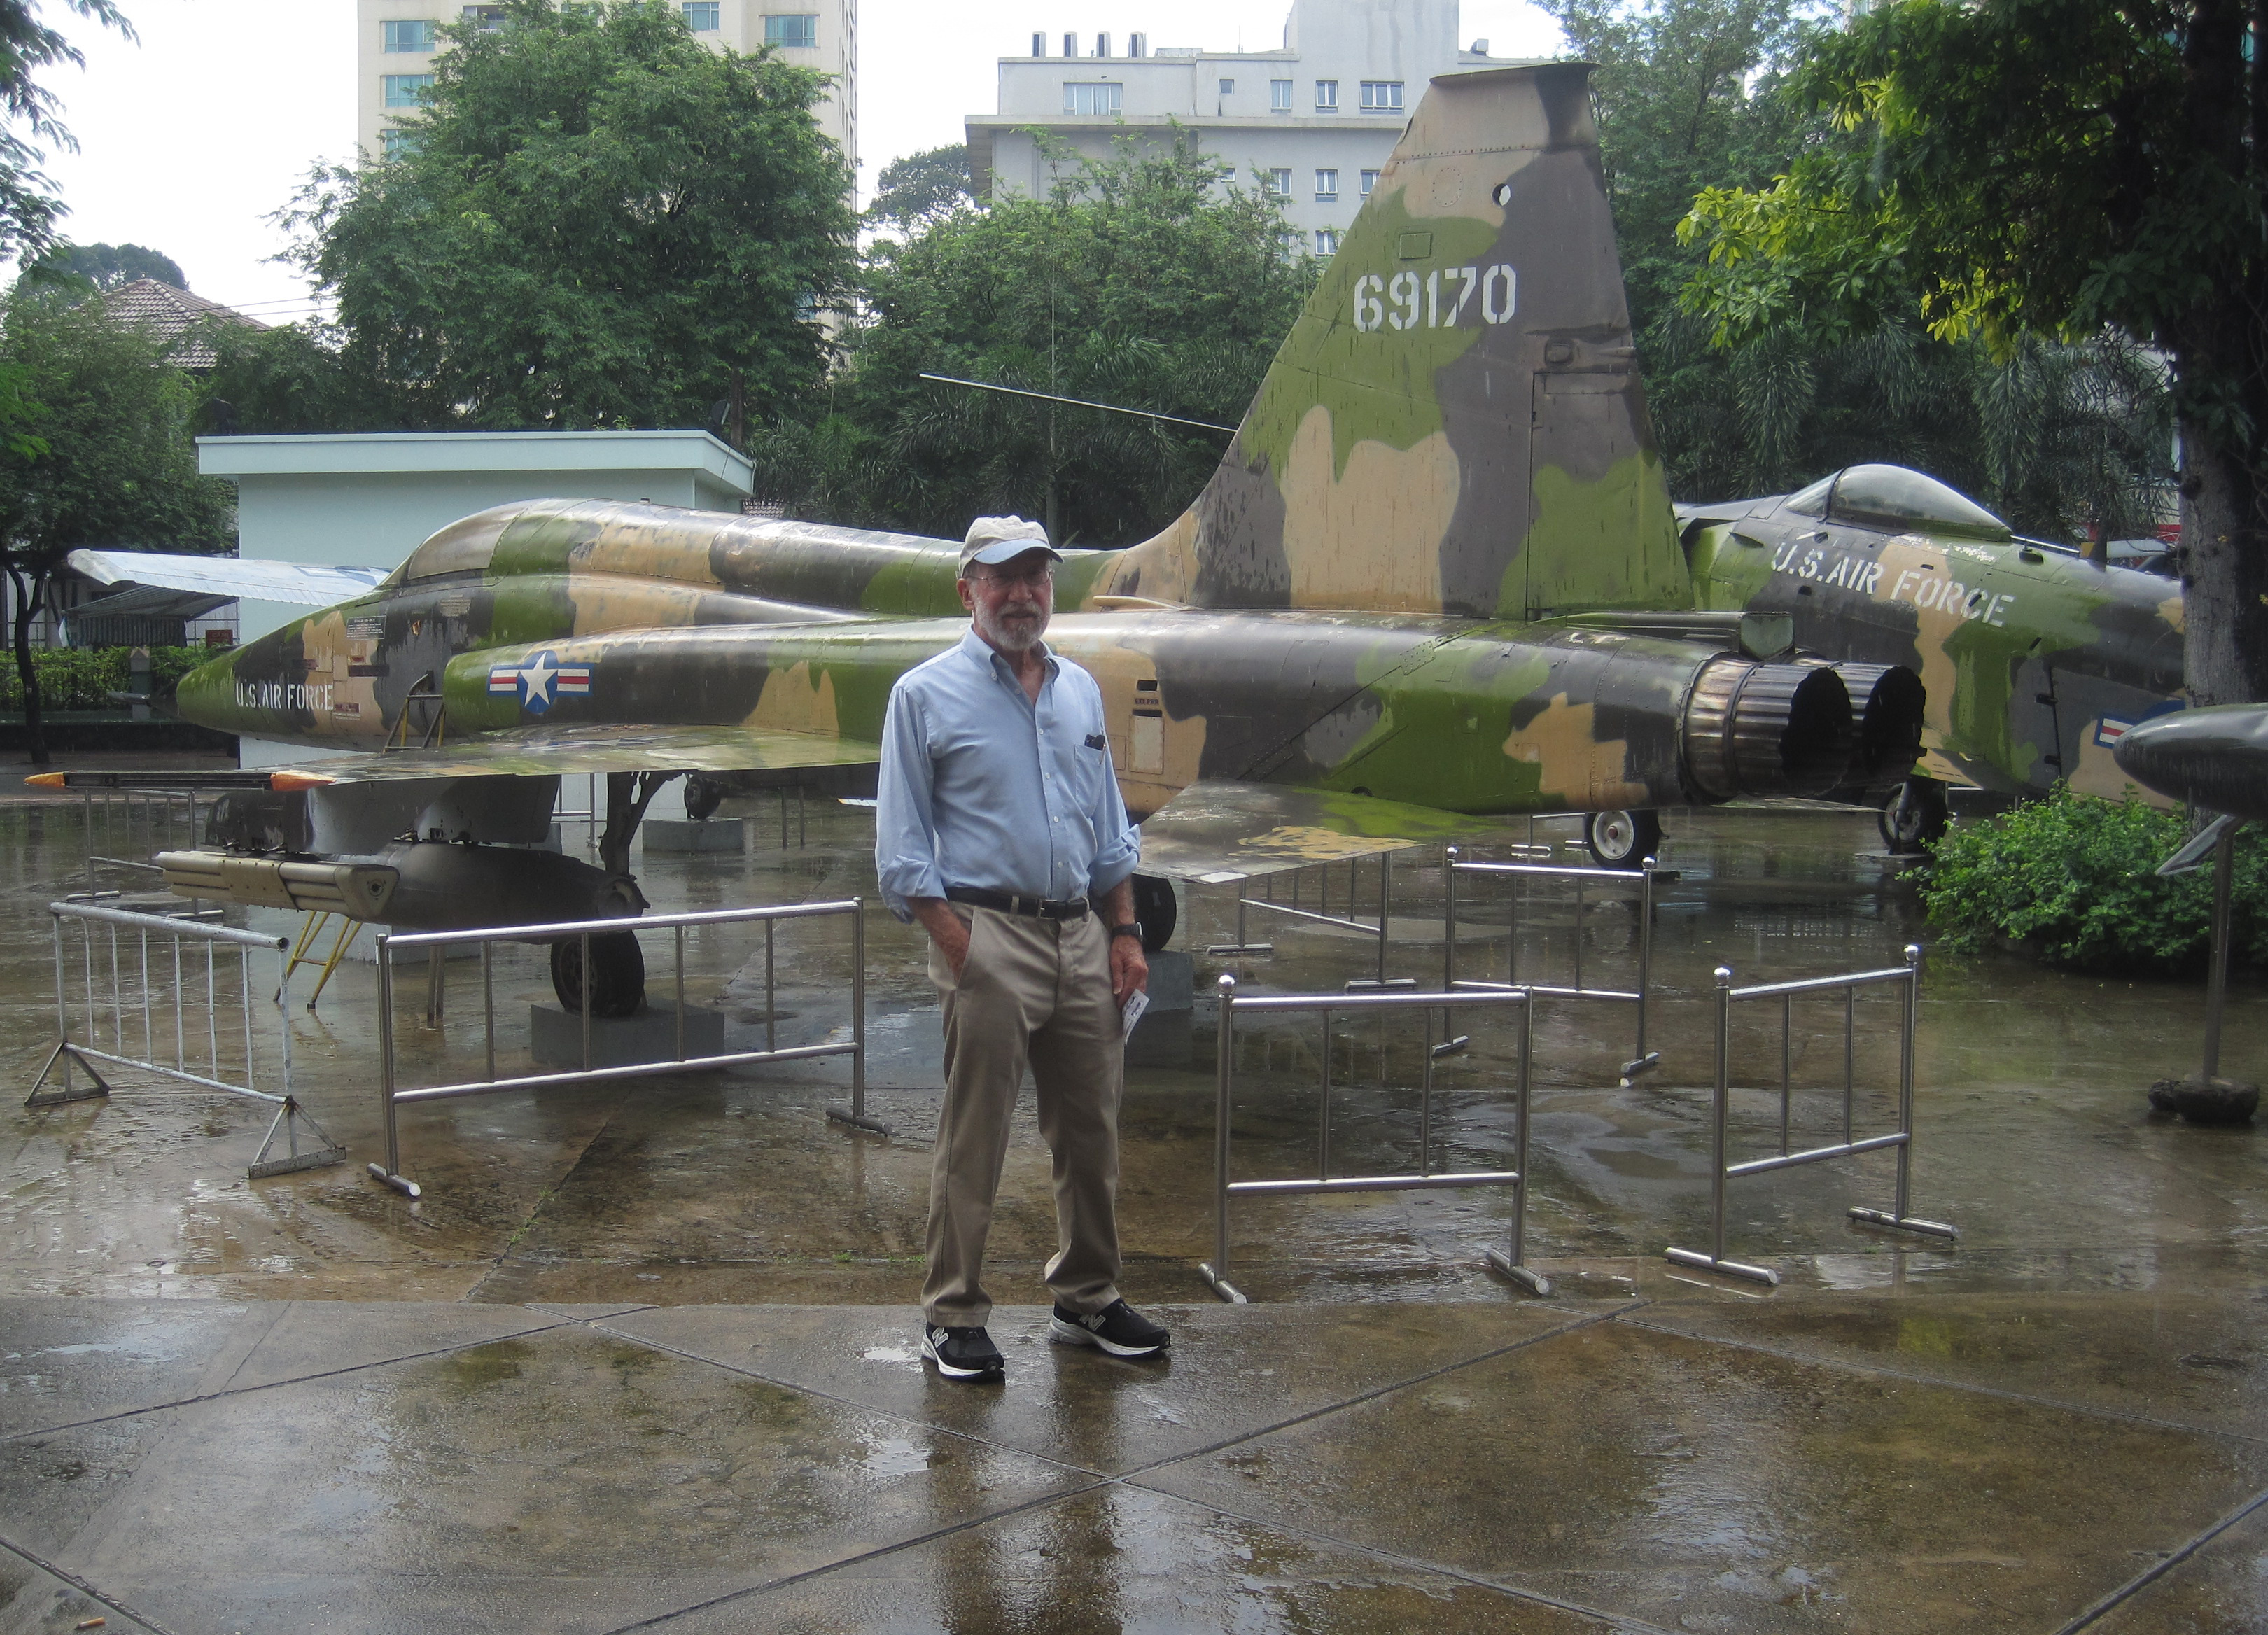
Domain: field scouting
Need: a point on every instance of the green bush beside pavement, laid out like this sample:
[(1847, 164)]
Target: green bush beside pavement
[(84, 678)]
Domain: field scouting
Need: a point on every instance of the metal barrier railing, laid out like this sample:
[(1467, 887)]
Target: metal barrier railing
[(1907, 976), (1643, 880), (1507, 1261), (164, 817), (1320, 913), (394, 1095), (139, 972)]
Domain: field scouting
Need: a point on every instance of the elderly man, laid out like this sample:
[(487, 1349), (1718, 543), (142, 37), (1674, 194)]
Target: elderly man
[(1000, 828)]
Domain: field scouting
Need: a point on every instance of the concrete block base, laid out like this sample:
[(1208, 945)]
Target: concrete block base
[(554, 1036), (685, 835)]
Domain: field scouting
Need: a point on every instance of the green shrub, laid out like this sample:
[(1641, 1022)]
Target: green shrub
[(84, 678), (2073, 878)]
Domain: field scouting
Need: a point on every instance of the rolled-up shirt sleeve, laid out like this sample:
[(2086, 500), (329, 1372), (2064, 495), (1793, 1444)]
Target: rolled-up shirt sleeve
[(905, 821)]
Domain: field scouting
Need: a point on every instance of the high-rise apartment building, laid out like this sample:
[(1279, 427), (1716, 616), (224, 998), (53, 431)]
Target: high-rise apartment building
[(1313, 121), (397, 39)]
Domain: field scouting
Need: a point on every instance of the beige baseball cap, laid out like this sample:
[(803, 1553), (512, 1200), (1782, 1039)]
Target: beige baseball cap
[(993, 540)]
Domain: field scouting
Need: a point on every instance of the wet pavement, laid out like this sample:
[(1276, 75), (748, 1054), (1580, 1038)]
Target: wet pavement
[(644, 1353)]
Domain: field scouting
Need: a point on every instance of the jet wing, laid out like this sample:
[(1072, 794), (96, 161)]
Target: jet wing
[(230, 577), (541, 751), (1217, 833)]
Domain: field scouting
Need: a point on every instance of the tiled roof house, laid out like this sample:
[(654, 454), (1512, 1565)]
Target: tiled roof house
[(171, 314)]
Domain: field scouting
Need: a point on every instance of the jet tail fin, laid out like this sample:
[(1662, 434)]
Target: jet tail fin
[(1456, 425)]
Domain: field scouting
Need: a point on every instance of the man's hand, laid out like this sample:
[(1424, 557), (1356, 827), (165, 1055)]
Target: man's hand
[(944, 929), (1129, 967)]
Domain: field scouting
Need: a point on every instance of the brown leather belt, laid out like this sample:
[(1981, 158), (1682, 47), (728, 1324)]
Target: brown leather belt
[(1003, 902)]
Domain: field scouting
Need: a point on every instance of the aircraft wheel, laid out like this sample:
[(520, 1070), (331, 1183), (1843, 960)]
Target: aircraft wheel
[(1623, 840), (1155, 912), (703, 797), (617, 973), (1916, 817)]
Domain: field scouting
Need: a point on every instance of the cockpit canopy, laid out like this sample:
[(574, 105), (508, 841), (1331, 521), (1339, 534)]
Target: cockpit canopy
[(464, 546), (1893, 498)]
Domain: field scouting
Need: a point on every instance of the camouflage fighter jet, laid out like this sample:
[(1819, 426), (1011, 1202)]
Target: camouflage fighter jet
[(2035, 660), (1436, 574)]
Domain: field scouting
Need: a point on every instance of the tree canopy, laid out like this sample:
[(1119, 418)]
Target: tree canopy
[(31, 120), (918, 188), (1145, 280), (593, 221), (2058, 169), (115, 466), (108, 266)]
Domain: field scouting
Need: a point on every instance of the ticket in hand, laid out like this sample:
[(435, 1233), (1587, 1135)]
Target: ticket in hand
[(1137, 1002)]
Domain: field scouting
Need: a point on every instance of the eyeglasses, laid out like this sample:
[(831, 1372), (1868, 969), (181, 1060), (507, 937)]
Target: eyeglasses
[(1033, 576)]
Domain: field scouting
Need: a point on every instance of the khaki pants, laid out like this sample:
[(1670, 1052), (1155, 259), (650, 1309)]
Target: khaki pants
[(1033, 992)]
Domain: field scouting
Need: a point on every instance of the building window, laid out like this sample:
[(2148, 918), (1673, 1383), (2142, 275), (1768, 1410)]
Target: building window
[(1327, 96), (1327, 241), (1369, 181), (397, 144), (1279, 183), (1326, 187), (407, 91), (1279, 96), (1293, 242), (488, 19), (1382, 96), (796, 32), (704, 17), (1228, 87), (1094, 101), (414, 35)]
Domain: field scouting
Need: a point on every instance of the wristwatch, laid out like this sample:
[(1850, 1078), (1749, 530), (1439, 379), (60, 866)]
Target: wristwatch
[(1126, 930)]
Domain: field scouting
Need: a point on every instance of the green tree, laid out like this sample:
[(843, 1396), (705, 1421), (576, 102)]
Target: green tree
[(117, 468), (595, 221), (2064, 169), (108, 266), (29, 117), (296, 378), (916, 190), (1142, 281)]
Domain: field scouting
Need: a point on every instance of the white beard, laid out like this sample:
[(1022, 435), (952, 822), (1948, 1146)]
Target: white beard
[(1008, 639)]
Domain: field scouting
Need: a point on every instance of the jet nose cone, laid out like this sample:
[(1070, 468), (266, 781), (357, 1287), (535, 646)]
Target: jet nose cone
[(2216, 758)]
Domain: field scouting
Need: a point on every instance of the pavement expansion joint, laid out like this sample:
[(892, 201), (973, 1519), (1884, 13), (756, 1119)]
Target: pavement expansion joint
[(1372, 1393), (56, 1571), (1942, 1381), (2157, 1570)]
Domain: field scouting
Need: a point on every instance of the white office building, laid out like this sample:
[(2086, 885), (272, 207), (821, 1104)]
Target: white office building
[(396, 39), (1314, 120)]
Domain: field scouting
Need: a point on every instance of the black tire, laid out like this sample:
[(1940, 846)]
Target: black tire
[(1623, 840), (1155, 910), (617, 975), (703, 797), (1917, 817)]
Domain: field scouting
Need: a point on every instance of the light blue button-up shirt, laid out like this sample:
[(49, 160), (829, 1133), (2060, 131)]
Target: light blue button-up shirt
[(982, 787)]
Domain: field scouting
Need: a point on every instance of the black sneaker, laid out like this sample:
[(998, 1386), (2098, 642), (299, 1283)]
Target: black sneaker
[(962, 1353), (1118, 1328)]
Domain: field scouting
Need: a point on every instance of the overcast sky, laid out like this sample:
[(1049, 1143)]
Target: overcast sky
[(192, 138)]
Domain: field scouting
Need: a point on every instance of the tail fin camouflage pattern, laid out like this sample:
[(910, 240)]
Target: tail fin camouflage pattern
[(1456, 425)]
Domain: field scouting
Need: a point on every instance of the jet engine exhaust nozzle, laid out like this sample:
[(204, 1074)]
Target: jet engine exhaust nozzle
[(1889, 699), (1767, 729)]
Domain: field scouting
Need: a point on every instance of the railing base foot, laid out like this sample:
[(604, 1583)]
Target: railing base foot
[(1645, 1063), (1534, 1282), (1221, 1286), (1239, 950), (287, 1120), (1372, 984), (64, 1097), (1903, 1223), (858, 1121), (1452, 1047), (315, 1160), (1764, 1275), (402, 1184)]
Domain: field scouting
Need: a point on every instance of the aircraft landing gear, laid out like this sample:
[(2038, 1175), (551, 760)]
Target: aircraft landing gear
[(1623, 840), (1155, 912), (617, 975), (1916, 817)]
